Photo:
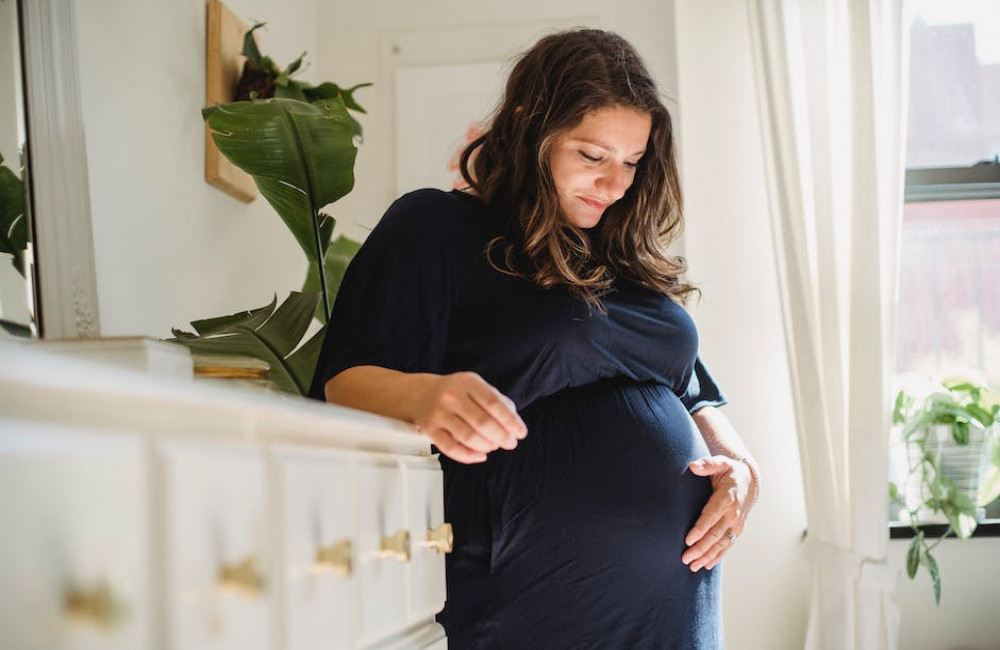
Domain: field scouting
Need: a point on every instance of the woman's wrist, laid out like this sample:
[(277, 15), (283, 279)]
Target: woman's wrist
[(392, 393), (754, 478), (418, 395)]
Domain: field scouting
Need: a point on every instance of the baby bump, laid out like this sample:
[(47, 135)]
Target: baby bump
[(607, 463), (580, 529)]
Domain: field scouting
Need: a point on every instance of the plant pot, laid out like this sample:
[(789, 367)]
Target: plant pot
[(965, 465)]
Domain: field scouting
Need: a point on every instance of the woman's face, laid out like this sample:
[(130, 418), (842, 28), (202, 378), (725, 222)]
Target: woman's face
[(594, 163)]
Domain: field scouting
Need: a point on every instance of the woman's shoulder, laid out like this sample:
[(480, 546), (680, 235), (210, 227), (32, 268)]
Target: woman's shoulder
[(435, 214)]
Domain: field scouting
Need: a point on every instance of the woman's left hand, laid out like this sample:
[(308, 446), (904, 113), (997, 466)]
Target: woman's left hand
[(722, 518)]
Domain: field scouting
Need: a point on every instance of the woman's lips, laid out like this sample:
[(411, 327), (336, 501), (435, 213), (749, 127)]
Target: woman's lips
[(594, 203)]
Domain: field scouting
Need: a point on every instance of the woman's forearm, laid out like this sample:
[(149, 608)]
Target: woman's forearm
[(391, 393), (719, 433), (722, 439), (463, 415)]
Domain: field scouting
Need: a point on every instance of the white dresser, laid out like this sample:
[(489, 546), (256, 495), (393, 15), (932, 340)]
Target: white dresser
[(140, 512)]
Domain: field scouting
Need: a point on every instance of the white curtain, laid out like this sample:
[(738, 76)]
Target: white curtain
[(832, 85)]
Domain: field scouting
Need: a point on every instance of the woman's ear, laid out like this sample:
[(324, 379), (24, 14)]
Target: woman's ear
[(518, 110)]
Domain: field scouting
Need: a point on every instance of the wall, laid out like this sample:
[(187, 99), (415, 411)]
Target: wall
[(169, 247), (970, 582), (11, 134), (728, 245)]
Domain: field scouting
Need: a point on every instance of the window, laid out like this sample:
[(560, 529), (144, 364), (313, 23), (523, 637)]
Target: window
[(949, 291)]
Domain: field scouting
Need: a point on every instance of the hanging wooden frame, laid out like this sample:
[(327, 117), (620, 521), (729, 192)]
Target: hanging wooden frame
[(223, 67)]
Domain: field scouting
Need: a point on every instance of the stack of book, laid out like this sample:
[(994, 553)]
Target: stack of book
[(247, 371)]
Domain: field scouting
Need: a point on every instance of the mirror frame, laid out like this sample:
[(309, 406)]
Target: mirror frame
[(65, 277)]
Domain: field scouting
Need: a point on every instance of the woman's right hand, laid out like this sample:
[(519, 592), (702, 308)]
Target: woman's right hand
[(466, 417)]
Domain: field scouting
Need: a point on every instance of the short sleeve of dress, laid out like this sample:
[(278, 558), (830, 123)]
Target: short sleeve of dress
[(702, 389), (393, 303)]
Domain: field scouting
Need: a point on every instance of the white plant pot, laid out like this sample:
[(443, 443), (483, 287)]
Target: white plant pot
[(965, 465)]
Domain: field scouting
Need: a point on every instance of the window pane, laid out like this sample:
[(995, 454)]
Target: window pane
[(949, 289), (954, 118)]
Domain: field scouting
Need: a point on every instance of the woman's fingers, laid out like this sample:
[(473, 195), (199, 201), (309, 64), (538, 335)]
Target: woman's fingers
[(500, 411), (721, 505), (489, 413), (714, 554), (710, 549), (707, 540), (710, 465), (470, 434), (467, 418), (452, 448)]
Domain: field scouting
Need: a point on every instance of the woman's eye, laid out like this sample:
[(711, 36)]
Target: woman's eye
[(631, 165), (589, 158)]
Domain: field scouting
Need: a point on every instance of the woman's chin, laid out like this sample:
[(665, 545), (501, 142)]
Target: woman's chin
[(583, 221)]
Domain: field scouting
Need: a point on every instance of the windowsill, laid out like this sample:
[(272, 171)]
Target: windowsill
[(986, 528)]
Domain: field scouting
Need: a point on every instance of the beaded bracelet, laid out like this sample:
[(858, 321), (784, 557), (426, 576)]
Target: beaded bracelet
[(754, 475)]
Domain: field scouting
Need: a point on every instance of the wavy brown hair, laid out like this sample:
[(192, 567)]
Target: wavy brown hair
[(552, 86)]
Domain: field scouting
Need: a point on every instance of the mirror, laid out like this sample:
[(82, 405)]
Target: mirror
[(63, 299), (17, 286)]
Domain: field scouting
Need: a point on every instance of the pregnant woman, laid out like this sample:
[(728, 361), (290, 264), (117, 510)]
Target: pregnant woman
[(532, 327)]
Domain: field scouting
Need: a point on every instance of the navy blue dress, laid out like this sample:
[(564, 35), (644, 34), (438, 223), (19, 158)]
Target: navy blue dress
[(574, 538)]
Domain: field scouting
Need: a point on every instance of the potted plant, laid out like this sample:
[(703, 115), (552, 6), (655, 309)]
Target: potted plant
[(299, 146), (947, 433)]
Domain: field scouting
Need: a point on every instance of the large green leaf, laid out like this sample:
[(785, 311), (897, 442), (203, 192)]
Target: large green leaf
[(330, 90), (326, 225), (252, 319), (338, 255), (13, 220), (300, 155), (284, 329), (302, 363), (245, 342), (264, 333)]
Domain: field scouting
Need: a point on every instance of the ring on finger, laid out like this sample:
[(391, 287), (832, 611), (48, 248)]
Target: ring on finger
[(730, 536)]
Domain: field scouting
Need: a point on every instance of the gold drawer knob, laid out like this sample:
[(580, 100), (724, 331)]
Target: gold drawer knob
[(441, 539), (243, 577), (397, 546), (336, 557), (97, 606)]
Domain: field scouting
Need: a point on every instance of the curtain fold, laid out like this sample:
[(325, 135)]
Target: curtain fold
[(831, 79)]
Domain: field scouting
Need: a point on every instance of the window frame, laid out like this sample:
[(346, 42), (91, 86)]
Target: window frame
[(938, 184), (932, 184)]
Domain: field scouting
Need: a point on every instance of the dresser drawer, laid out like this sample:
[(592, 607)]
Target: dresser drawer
[(317, 547), (74, 548), (383, 548), (431, 537), (217, 573)]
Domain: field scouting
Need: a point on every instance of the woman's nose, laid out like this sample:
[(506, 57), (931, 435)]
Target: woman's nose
[(615, 182)]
